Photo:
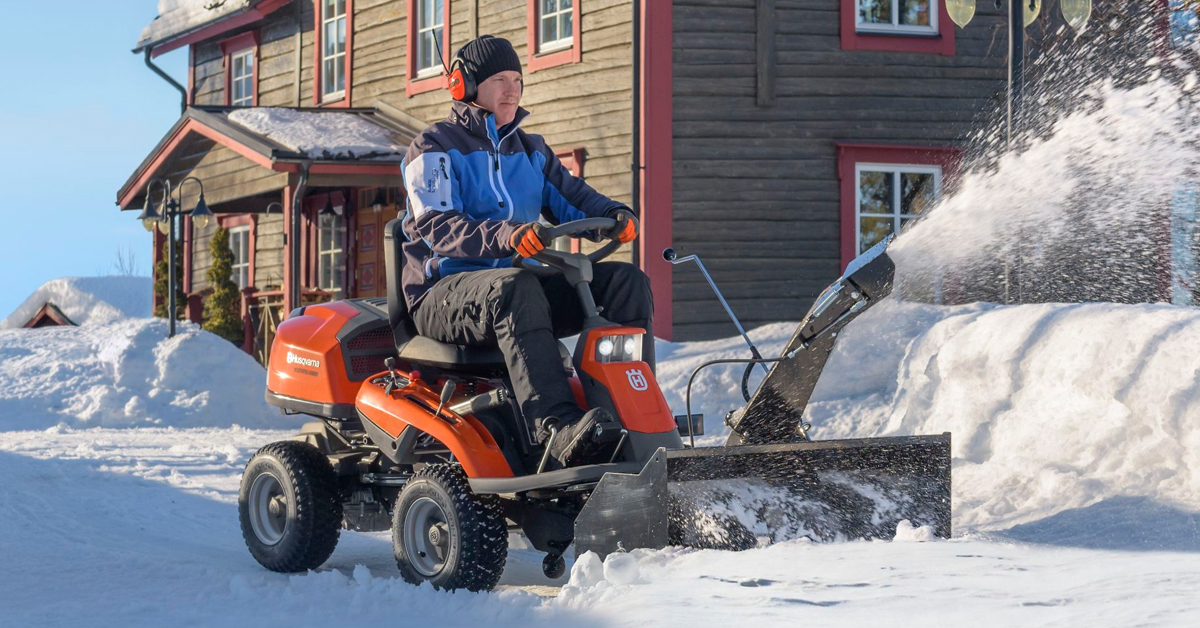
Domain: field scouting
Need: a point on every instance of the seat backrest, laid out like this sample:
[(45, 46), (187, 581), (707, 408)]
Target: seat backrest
[(393, 240)]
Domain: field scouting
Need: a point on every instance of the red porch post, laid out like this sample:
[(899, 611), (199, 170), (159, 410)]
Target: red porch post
[(657, 158)]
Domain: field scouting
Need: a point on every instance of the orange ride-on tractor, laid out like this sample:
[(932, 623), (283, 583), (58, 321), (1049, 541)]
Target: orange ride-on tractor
[(425, 439)]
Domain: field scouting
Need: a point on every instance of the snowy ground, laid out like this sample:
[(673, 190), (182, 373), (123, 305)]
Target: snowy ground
[(1076, 486)]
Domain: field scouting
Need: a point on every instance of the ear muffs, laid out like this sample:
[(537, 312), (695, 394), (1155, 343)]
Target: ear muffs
[(461, 82)]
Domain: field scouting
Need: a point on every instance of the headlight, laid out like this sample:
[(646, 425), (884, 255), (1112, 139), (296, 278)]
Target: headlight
[(619, 349)]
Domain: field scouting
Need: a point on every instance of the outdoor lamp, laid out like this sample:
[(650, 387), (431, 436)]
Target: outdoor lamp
[(201, 215), (328, 208), (1032, 11), (379, 200), (961, 11), (1076, 13), (148, 216), (164, 224)]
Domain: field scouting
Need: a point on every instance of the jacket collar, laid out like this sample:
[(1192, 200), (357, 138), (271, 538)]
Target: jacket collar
[(481, 122)]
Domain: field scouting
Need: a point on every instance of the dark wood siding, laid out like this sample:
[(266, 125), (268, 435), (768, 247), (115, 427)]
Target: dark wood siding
[(755, 187)]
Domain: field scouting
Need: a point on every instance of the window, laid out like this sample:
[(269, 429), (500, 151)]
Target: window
[(242, 79), (331, 44), (331, 260), (241, 62), (897, 16), (430, 23), (890, 197), (552, 27), (885, 187), (428, 34), (897, 26), (239, 243)]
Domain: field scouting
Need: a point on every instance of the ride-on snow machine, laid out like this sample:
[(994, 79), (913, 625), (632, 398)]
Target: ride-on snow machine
[(425, 438)]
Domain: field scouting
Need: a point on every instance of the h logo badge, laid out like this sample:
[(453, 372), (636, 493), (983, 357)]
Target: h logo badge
[(636, 379)]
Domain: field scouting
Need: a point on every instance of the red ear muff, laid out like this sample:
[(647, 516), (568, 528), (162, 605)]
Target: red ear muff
[(456, 85), (461, 82)]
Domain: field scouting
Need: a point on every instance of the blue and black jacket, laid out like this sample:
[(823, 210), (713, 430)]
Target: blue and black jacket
[(470, 186)]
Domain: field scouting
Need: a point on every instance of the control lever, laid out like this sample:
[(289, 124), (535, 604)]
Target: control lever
[(670, 256), (447, 393), (390, 363)]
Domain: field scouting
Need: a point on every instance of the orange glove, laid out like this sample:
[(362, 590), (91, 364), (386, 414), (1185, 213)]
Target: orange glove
[(627, 229), (529, 239)]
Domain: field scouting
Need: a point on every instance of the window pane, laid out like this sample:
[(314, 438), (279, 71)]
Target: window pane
[(341, 35), (917, 192), (549, 29), (425, 54), (325, 273), (872, 231), (330, 44), (340, 84), (875, 11), (915, 12), (438, 7), (328, 78), (564, 4), (330, 8), (876, 191), (341, 7), (549, 6), (564, 25)]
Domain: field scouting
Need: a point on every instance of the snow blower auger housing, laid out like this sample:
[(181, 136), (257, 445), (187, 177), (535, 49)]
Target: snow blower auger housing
[(424, 438)]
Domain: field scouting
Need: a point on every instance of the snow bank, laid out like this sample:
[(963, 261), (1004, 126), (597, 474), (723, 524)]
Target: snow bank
[(178, 16), (128, 374), (1053, 407), (322, 135), (87, 300)]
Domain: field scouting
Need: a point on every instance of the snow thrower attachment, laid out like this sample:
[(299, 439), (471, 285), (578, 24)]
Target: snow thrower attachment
[(770, 479)]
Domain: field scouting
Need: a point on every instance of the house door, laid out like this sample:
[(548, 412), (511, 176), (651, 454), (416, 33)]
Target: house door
[(370, 266)]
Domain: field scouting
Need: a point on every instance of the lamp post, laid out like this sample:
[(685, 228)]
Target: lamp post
[(171, 202)]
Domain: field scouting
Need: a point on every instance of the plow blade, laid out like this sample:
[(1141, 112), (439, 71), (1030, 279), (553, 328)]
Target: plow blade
[(737, 497)]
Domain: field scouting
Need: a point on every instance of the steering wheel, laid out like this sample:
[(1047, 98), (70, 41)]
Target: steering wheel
[(554, 261)]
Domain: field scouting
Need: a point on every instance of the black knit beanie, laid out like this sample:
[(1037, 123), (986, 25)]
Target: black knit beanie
[(487, 55)]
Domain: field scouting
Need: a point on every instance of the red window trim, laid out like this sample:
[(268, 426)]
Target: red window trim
[(412, 84), (318, 34), (943, 43), (848, 155), (239, 220), (572, 159), (535, 60), (235, 45)]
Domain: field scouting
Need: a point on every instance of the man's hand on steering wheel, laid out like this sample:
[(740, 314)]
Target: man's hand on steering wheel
[(626, 229), (530, 239)]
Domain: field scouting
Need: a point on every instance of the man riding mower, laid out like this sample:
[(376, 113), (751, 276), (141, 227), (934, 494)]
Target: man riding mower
[(449, 413)]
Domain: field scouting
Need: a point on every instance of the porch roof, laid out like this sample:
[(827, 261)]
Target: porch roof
[(180, 22), (363, 141)]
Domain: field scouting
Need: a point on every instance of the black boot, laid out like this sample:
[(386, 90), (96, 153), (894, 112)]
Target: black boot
[(584, 440)]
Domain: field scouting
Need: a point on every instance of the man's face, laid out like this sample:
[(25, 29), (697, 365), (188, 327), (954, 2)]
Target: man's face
[(500, 94)]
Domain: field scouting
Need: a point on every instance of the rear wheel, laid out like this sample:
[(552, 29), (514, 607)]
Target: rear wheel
[(445, 534), (289, 507)]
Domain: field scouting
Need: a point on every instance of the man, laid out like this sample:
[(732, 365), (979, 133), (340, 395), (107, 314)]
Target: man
[(476, 185)]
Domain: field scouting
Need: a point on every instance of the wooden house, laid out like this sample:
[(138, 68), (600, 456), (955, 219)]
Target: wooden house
[(775, 138)]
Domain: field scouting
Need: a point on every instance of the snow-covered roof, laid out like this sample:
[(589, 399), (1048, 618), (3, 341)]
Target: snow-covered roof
[(87, 300), (322, 134), (178, 17)]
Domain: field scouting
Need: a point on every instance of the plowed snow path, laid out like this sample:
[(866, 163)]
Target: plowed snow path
[(139, 528)]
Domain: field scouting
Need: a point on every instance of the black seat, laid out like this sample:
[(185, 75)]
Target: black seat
[(419, 349)]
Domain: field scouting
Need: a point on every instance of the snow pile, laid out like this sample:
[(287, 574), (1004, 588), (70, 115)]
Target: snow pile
[(128, 374), (321, 135), (176, 17), (1052, 407), (87, 300)]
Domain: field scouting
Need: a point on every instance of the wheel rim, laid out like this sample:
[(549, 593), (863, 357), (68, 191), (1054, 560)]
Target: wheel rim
[(426, 536), (268, 509)]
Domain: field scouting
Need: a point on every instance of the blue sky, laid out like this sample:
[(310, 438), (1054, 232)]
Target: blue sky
[(89, 111)]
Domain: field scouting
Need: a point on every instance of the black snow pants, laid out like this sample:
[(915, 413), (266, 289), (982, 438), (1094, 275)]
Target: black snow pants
[(523, 313)]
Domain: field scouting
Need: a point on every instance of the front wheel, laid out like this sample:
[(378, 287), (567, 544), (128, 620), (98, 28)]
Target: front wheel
[(445, 534), (289, 507)]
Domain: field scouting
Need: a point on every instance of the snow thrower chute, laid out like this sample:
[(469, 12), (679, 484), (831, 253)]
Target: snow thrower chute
[(770, 477), (425, 438)]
